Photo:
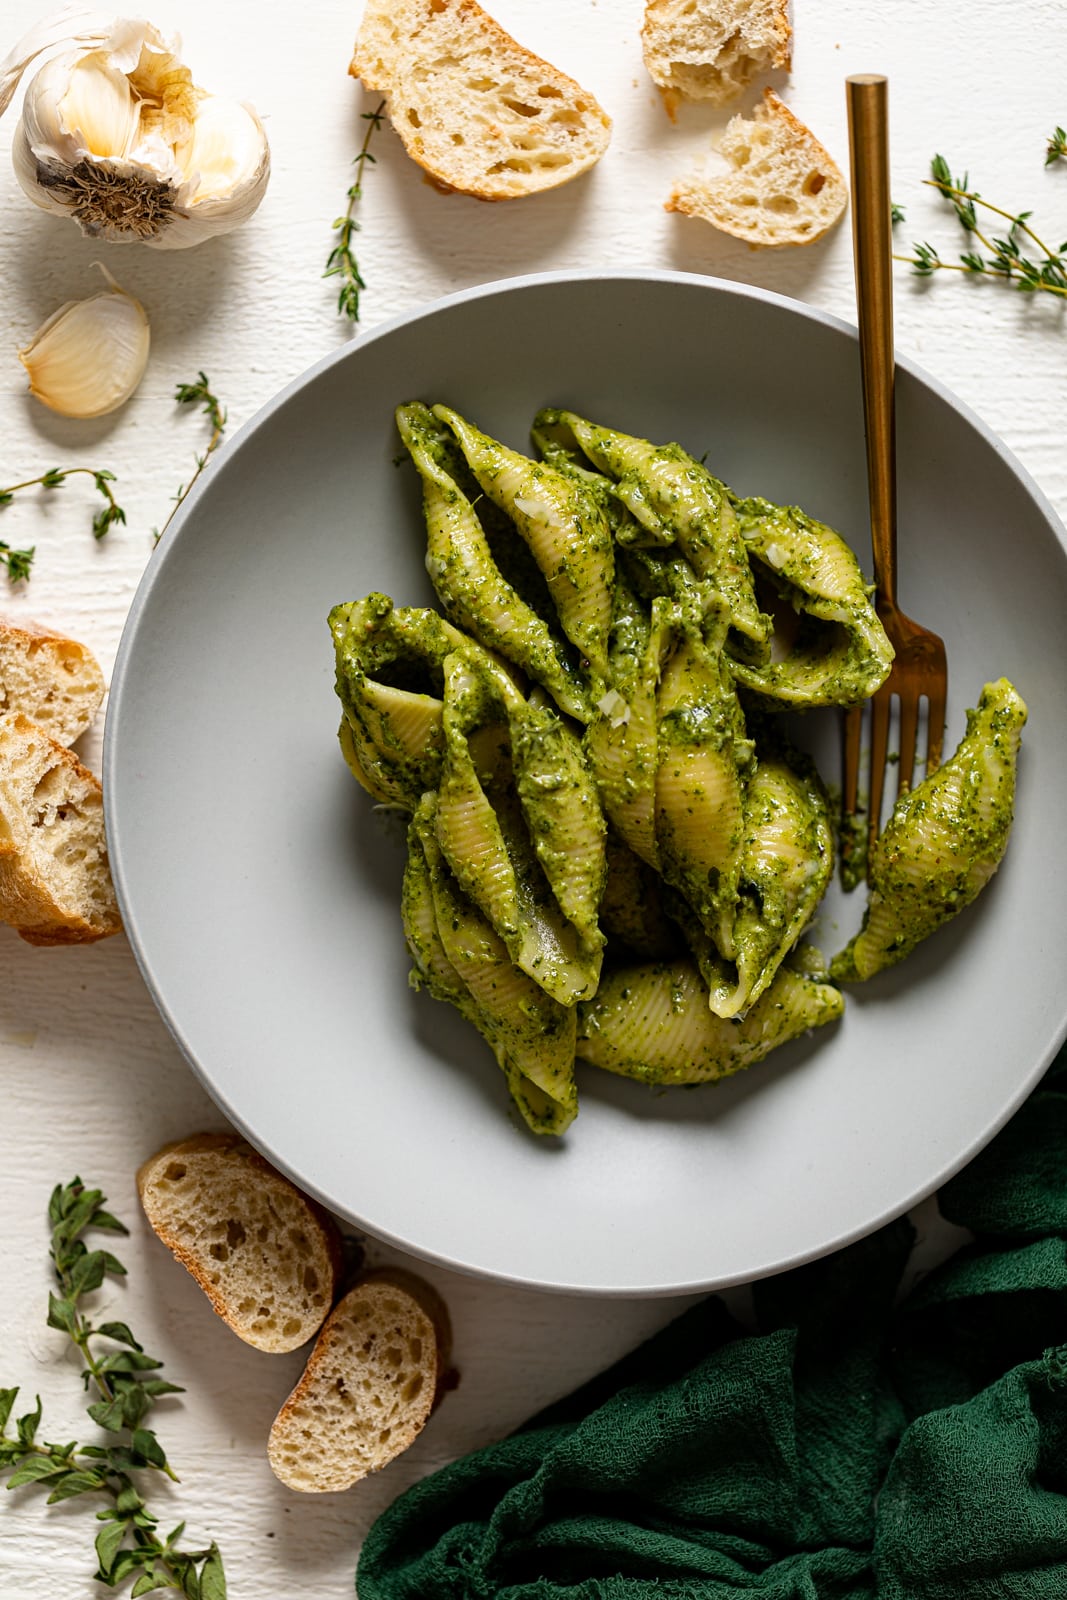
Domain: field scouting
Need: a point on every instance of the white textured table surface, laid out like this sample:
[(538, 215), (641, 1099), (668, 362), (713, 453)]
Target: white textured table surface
[(91, 1082)]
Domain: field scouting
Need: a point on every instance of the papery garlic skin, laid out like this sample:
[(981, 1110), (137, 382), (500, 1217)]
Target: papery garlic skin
[(90, 355), (115, 134)]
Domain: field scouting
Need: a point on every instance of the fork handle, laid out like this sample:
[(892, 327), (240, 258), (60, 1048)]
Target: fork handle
[(868, 142)]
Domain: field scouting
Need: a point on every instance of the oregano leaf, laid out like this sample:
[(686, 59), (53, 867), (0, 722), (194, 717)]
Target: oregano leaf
[(108, 1414), (212, 1577), (88, 1273), (76, 1483), (104, 1219), (28, 1424), (144, 1443), (119, 1332), (61, 1314), (7, 1400), (34, 1469), (108, 1543)]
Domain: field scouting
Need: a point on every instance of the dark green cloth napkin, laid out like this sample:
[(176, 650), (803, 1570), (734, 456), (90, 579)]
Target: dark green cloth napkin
[(851, 1447)]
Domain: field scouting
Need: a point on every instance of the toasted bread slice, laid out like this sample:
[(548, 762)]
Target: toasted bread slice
[(55, 883), (266, 1256), (712, 49), (369, 1385), (482, 115), (51, 679), (784, 187)]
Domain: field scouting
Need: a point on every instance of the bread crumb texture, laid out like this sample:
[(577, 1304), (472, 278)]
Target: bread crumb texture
[(481, 114), (712, 49), (51, 679), (784, 188), (265, 1256), (55, 881), (366, 1392)]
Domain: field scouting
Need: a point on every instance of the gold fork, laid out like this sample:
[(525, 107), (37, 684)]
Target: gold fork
[(920, 669)]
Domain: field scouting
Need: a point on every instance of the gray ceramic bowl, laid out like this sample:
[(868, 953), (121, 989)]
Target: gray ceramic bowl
[(260, 890)]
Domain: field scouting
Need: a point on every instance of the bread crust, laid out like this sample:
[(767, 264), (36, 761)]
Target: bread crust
[(249, 1164), (318, 1384), (686, 67), (707, 200), (75, 683), (28, 901), (388, 65)]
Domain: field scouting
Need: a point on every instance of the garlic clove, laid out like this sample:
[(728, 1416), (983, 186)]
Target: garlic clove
[(90, 355), (225, 146), (97, 108), (226, 167)]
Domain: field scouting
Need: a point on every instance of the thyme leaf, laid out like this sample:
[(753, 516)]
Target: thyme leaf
[(341, 261), (1056, 149), (127, 1544), (17, 562), (1018, 257)]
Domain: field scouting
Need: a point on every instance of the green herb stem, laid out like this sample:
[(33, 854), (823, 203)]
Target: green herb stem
[(19, 562), (1018, 221), (191, 394), (341, 262), (1004, 258)]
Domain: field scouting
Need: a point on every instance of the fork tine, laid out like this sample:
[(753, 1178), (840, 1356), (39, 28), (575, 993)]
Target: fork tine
[(909, 728), (936, 696), (852, 727), (879, 746)]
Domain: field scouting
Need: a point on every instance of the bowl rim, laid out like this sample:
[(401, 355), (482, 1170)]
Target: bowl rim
[(153, 575)]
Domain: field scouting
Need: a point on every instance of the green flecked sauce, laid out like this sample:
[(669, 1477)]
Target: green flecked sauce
[(619, 632), (943, 842)]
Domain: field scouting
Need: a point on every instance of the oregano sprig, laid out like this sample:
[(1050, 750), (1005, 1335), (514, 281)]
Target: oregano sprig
[(19, 562), (191, 394), (341, 261), (1019, 256), (125, 1382)]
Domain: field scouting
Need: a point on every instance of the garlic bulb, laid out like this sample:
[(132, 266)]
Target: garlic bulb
[(90, 355), (115, 134)]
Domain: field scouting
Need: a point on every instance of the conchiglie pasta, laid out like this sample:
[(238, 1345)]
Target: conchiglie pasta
[(944, 841), (614, 850), (654, 1023)]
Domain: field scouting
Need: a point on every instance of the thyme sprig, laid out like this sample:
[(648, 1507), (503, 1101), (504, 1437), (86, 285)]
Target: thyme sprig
[(191, 394), (341, 261), (19, 562), (1056, 149), (1006, 256), (122, 1377)]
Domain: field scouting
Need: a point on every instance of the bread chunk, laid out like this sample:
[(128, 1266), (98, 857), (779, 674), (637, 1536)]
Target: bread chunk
[(481, 114), (51, 679), (712, 49), (266, 1256), (368, 1388), (55, 882), (784, 188)]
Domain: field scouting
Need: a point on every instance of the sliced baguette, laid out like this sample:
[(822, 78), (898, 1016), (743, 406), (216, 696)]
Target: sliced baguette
[(784, 188), (51, 679), (369, 1385), (712, 49), (266, 1256), (480, 113), (55, 883)]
